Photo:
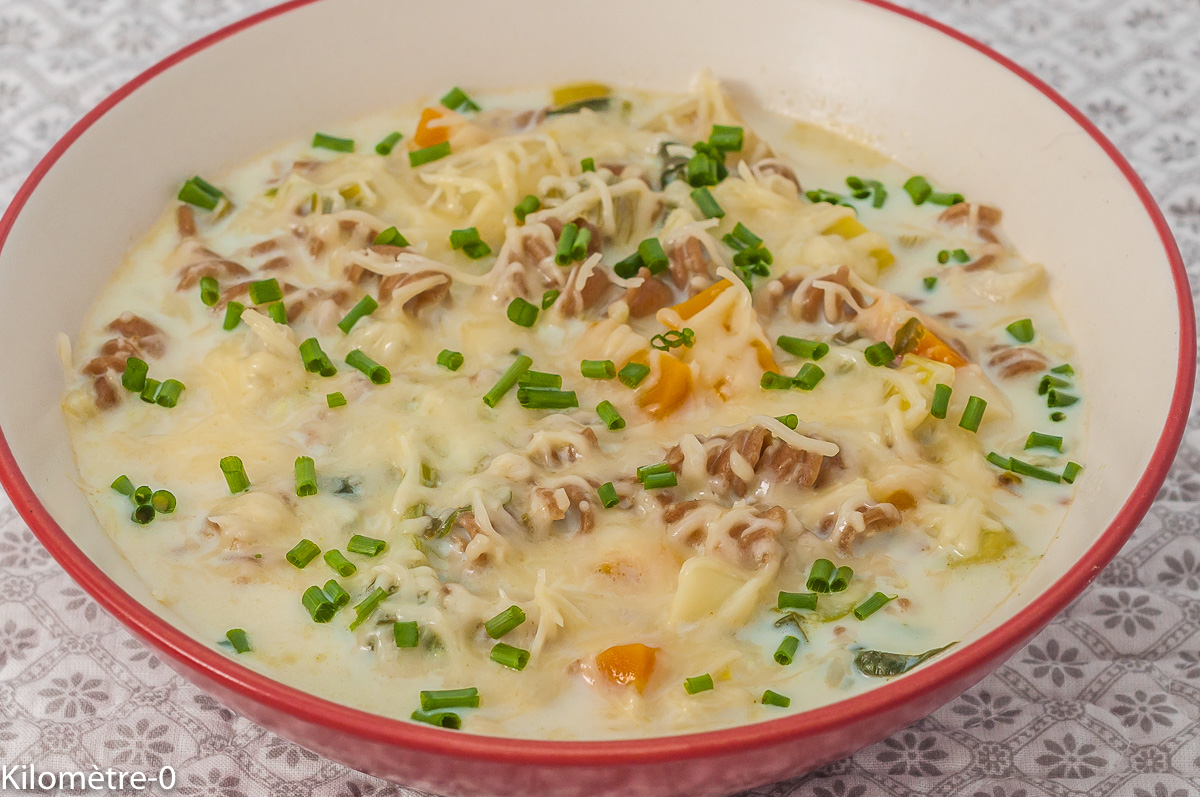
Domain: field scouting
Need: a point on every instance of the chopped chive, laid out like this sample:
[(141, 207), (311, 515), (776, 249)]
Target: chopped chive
[(406, 633), (415, 511), (1000, 461), (973, 414), (1039, 440), (340, 564), (149, 392), (143, 494), (469, 242), (699, 683), (809, 377), (449, 698), (238, 639), (235, 474), (796, 600), (507, 380), (960, 255), (450, 360), (510, 657), (335, 399), (785, 654), (539, 379), (306, 477), (770, 698), (652, 255), (702, 170), (608, 413), (264, 291), (1057, 416), (598, 369), (818, 576), (549, 297), (566, 243), (629, 267), (420, 157), (707, 203), (930, 283), (390, 237), (233, 315), (366, 607), (163, 502), (918, 188), (335, 593), (649, 470), (1057, 399), (429, 475), (504, 622), (608, 495), (880, 353), (941, 401), (277, 312), (522, 313), (580, 248), (726, 138), (871, 605), (1022, 331), (326, 141), (1033, 471), (530, 204), (315, 360), (800, 347), (546, 398), (880, 197), (773, 381), (1048, 382), (442, 719), (657, 481), (632, 374), (741, 238), (945, 198), (374, 371), (790, 420), (587, 165), (142, 514), (123, 485), (366, 546), (200, 193), (1071, 472), (365, 306), (304, 552), (134, 377), (320, 608), (210, 291), (389, 143), (943, 256), (457, 100), (1064, 369), (841, 579)]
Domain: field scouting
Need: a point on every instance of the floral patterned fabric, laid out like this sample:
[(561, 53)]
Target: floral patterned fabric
[(1105, 702)]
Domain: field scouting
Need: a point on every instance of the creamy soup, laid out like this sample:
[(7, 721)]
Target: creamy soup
[(577, 413)]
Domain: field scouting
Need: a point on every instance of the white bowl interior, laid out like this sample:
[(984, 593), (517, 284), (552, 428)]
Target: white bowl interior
[(931, 102)]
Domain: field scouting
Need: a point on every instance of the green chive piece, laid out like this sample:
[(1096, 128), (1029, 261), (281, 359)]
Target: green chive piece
[(335, 399), (1000, 461), (306, 477), (522, 313), (304, 552), (941, 401), (320, 608), (549, 297), (238, 639), (587, 165), (608, 413), (149, 392), (374, 371), (163, 502), (134, 377), (389, 143), (770, 698), (629, 267), (366, 546), (326, 141), (945, 198), (277, 312), (1022, 331), (741, 238), (1058, 417), (406, 633), (790, 420), (809, 349), (1071, 472), (390, 237), (973, 414), (1039, 440), (507, 380), (1032, 471), (699, 683), (1057, 399), (566, 242), (429, 475), (841, 579), (315, 360), (871, 605), (648, 470), (340, 564), (918, 188), (702, 170), (773, 381), (652, 255), (510, 657), (598, 369), (608, 495), (470, 243), (142, 495), (818, 576), (200, 193), (796, 600), (785, 654), (879, 354), (450, 360), (632, 374), (450, 698), (1048, 382), (235, 474), (539, 379), (579, 248), (123, 485), (960, 255), (1064, 369), (530, 204), (142, 514), (365, 306), (930, 283), (265, 291), (366, 607), (420, 157), (726, 138), (504, 622), (809, 377), (707, 203), (943, 256), (546, 398), (658, 481), (233, 315), (457, 100), (335, 593), (442, 719), (210, 291)]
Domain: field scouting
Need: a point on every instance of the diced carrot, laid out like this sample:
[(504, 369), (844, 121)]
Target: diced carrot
[(701, 300), (427, 136), (668, 392), (766, 360), (934, 348), (628, 664)]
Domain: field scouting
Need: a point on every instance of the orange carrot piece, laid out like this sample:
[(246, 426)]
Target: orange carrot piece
[(628, 664), (701, 300), (427, 136), (668, 392)]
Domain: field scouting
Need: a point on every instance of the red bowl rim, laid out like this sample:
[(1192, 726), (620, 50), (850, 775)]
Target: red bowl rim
[(376, 729)]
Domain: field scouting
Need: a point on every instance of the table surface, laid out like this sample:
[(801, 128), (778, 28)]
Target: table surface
[(1106, 701)]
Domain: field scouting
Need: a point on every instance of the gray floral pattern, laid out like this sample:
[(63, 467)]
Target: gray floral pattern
[(1104, 703)]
